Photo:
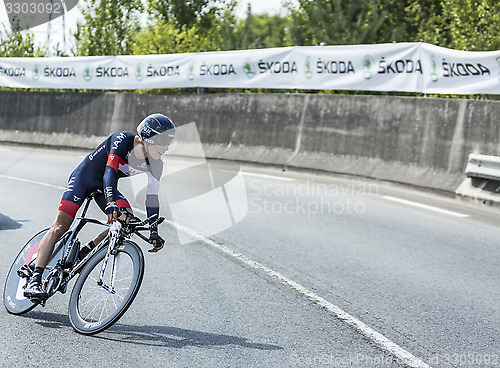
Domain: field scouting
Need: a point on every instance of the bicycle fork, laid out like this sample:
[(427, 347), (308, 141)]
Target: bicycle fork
[(114, 231)]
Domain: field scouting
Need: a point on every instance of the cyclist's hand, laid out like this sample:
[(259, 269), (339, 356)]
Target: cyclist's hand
[(112, 212), (157, 242)]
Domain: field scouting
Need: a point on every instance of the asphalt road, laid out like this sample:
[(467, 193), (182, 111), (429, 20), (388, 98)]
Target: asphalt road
[(418, 268)]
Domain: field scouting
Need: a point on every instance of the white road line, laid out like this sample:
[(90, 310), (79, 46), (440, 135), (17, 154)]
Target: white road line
[(267, 176), (32, 182), (383, 342), (424, 206)]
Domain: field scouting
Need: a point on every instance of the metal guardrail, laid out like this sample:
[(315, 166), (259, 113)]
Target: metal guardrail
[(483, 166)]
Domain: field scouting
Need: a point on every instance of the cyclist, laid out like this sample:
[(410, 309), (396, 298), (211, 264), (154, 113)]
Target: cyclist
[(121, 154)]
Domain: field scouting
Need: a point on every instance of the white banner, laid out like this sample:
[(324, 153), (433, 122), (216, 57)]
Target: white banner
[(408, 67)]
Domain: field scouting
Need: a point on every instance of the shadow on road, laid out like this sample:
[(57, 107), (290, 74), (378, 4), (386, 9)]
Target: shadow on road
[(6, 223), (50, 320), (159, 336)]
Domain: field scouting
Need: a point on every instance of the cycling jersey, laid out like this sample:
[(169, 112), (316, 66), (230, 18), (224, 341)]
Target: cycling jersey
[(111, 160)]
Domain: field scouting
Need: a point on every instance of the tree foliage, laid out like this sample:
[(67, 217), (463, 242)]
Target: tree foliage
[(339, 22), (202, 14), (17, 44), (252, 32), (474, 25), (264, 30), (165, 37), (460, 24), (427, 22), (108, 28), (227, 32), (112, 27)]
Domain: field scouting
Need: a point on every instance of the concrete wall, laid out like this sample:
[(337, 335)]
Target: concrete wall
[(420, 141)]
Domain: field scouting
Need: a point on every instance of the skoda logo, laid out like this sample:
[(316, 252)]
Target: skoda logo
[(138, 72), (434, 68), (249, 68), (87, 74), (36, 72), (190, 71), (368, 67), (309, 72), (498, 60)]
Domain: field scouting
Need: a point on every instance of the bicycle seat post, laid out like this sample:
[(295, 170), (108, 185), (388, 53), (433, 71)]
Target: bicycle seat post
[(87, 201), (86, 205)]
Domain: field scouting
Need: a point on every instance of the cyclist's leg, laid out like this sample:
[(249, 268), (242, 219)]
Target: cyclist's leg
[(121, 202), (73, 197), (59, 227), (61, 224)]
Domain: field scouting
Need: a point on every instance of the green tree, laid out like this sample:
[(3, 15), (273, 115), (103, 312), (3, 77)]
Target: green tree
[(457, 24), (460, 24), (226, 33), (428, 22), (395, 28), (339, 22), (164, 37), (190, 13), (189, 26), (108, 28), (264, 30), (17, 44), (253, 32), (474, 25)]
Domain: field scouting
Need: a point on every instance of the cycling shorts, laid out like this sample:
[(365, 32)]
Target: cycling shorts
[(81, 184)]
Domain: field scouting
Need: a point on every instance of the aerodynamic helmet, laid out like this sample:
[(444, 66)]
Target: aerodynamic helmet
[(156, 129)]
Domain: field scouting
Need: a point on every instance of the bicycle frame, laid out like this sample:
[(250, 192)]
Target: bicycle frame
[(65, 268), (66, 265), (71, 250), (109, 264)]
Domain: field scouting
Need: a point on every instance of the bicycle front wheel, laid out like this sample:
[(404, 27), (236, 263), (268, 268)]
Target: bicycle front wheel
[(94, 307)]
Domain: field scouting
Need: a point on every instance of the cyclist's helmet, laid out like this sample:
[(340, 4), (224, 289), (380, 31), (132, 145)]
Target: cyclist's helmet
[(156, 129)]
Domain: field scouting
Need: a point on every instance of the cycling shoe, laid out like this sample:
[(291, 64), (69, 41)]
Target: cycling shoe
[(35, 291)]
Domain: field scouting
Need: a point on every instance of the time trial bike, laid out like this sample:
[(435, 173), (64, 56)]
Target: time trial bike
[(110, 275)]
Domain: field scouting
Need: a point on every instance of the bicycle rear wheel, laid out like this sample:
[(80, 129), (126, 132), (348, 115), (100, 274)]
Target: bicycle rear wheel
[(13, 294), (93, 307)]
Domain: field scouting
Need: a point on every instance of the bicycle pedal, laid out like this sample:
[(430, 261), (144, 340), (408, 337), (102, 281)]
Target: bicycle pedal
[(38, 301), (62, 289)]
